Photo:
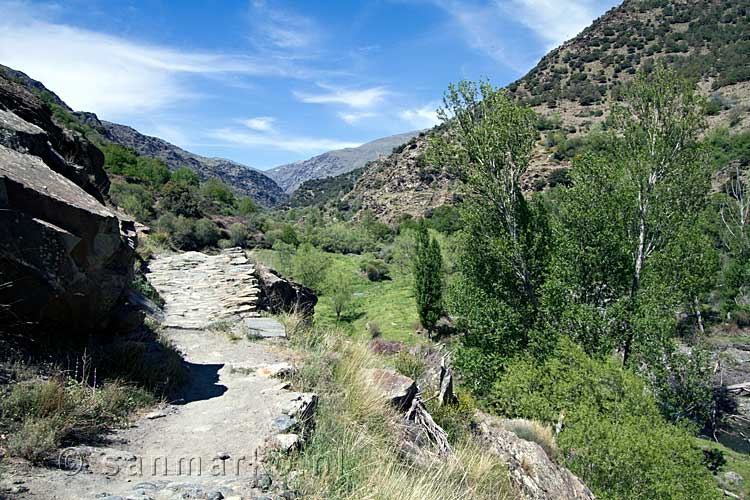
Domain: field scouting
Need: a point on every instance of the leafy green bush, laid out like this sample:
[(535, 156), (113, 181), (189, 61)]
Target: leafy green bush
[(375, 269), (216, 193), (123, 161), (134, 199), (309, 266), (613, 435), (181, 199), (238, 234)]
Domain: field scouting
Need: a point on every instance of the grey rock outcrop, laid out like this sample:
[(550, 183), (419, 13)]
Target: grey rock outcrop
[(536, 476), (398, 389), (280, 295), (65, 258)]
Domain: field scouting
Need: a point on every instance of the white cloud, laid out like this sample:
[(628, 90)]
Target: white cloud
[(274, 28), (260, 123), (355, 116), (296, 144), (111, 75), (556, 20), (422, 117), (358, 99), (484, 27)]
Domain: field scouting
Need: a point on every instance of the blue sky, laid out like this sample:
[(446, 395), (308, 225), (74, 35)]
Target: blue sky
[(266, 83)]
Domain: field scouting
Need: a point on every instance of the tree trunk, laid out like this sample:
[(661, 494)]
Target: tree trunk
[(636, 284)]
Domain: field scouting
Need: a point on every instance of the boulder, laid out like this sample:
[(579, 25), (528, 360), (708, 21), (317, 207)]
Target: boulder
[(65, 258), (534, 473), (398, 389), (280, 295)]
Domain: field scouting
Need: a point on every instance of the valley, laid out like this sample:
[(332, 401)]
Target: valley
[(539, 292)]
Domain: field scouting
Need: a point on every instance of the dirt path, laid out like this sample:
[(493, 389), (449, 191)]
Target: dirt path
[(206, 444)]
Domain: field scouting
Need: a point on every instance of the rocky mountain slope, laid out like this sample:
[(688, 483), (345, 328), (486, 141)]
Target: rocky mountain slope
[(242, 178), (245, 180), (333, 163), (572, 86)]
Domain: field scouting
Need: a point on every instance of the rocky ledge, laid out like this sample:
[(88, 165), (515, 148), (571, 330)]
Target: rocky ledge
[(65, 258)]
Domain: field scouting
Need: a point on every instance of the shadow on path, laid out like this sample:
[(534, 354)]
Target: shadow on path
[(202, 385)]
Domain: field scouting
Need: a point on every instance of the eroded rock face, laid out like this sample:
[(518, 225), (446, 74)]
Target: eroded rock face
[(65, 258), (536, 476), (279, 295)]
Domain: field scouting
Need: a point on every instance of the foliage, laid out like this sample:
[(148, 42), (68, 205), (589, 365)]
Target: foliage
[(309, 266), (238, 234), (374, 269), (428, 278), (181, 199), (502, 247), (122, 161), (612, 435), (340, 289), (629, 244)]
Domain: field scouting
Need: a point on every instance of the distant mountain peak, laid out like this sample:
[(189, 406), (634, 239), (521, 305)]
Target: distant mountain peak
[(333, 163)]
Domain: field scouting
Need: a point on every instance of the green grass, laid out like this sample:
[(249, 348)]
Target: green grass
[(389, 304), (736, 462)]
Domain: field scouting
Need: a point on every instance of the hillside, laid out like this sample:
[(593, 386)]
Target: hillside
[(573, 85), (243, 179), (333, 163)]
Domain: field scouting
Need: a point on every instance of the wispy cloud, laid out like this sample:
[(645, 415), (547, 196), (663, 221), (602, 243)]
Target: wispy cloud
[(556, 21), (358, 99), (355, 116), (260, 123), (275, 28), (421, 117), (487, 27), (296, 144), (111, 75)]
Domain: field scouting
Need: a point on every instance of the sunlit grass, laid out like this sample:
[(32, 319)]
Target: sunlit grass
[(389, 304)]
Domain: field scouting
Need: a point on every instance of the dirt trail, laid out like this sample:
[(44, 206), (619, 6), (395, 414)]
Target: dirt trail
[(206, 443)]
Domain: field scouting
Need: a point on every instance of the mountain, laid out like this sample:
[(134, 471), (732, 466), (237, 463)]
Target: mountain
[(333, 163), (572, 87), (243, 179)]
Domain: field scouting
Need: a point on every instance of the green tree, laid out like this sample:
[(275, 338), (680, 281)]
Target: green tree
[(184, 175), (634, 209), (502, 245), (428, 278), (340, 289), (238, 234), (216, 192), (309, 266), (181, 199)]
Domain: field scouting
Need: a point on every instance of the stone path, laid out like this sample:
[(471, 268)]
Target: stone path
[(207, 444), (199, 289)]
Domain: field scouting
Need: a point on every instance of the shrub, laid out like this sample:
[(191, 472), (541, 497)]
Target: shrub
[(134, 199), (181, 199), (375, 269), (186, 176), (309, 266), (613, 435), (409, 364), (218, 193), (238, 234)]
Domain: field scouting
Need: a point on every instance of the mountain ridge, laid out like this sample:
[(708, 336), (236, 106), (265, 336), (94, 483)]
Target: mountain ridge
[(332, 163)]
